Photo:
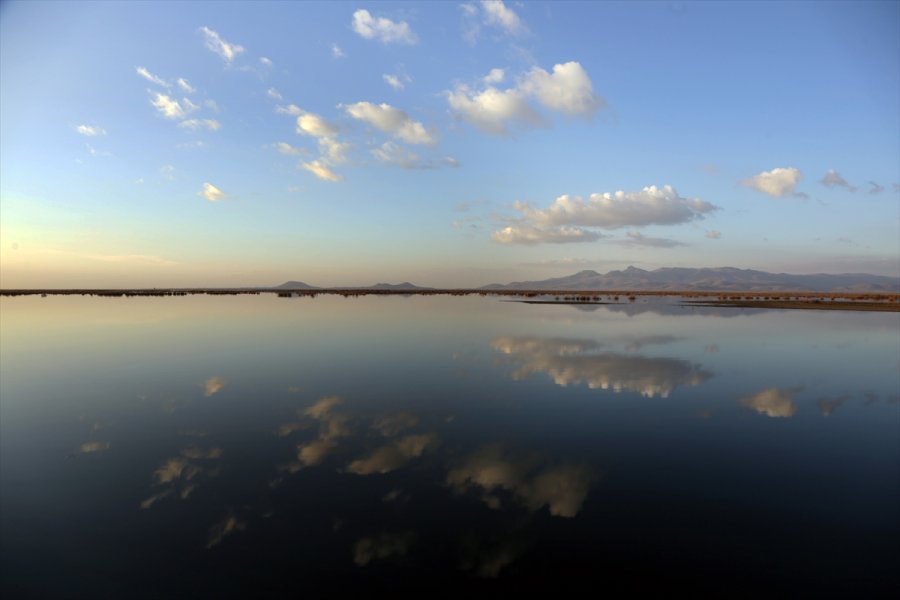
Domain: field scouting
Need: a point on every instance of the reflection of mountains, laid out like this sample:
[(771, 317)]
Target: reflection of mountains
[(569, 361)]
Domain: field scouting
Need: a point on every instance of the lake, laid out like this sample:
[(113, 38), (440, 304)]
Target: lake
[(256, 446)]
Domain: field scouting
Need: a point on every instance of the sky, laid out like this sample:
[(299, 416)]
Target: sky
[(451, 144)]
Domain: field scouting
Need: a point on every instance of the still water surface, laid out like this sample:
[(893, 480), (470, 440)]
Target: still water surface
[(257, 446)]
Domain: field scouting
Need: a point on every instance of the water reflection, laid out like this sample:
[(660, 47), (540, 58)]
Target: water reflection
[(213, 386), (494, 474), (773, 402), (382, 546), (571, 361)]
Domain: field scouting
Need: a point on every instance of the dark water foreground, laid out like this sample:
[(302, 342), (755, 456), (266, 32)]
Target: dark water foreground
[(251, 446)]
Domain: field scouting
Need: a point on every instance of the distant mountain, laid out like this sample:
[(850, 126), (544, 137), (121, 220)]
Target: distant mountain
[(397, 286), (295, 285), (719, 279)]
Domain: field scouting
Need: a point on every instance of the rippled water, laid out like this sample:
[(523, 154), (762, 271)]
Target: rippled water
[(260, 446)]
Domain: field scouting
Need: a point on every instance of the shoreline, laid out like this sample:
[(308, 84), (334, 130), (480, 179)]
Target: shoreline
[(773, 299)]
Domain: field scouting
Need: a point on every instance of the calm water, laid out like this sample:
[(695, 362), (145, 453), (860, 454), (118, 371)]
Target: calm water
[(260, 446)]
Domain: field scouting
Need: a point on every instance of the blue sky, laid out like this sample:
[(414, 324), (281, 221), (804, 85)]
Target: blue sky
[(451, 144)]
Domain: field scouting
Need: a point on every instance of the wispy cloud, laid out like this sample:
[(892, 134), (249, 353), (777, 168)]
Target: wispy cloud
[(336, 51), (195, 124), (273, 93), (321, 170), (171, 108), (90, 130), (875, 189), (215, 43), (152, 78), (833, 179), (390, 153), (636, 238), (382, 29), (490, 13), (185, 87), (285, 148), (265, 61)]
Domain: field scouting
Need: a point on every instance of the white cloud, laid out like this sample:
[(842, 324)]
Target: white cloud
[(495, 76), (215, 43), (211, 104), (332, 151), (778, 182), (393, 81), (170, 108), (185, 86), (636, 238), (321, 170), (833, 179), (492, 110), (273, 93), (195, 124), (490, 13), (285, 148), (90, 130), (168, 172), (392, 121), (568, 89), (314, 125), (382, 29), (530, 235), (497, 14), (875, 189), (151, 77), (713, 234), (649, 206), (267, 62), (290, 109), (336, 51), (213, 194), (391, 153)]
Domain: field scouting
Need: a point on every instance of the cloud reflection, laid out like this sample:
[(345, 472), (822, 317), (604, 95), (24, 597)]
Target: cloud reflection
[(213, 386), (562, 489), (91, 447), (382, 546), (772, 402), (226, 527), (391, 457), (570, 362)]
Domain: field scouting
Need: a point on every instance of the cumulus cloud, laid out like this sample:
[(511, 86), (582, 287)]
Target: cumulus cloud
[(195, 124), (565, 219), (152, 78), (382, 29), (833, 179), (392, 121), (499, 15), (185, 86), (875, 189), (90, 130), (492, 110), (336, 51), (568, 90), (778, 182), (772, 402), (213, 194), (321, 170), (313, 125), (215, 43)]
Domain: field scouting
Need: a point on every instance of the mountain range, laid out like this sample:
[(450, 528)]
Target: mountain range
[(717, 279)]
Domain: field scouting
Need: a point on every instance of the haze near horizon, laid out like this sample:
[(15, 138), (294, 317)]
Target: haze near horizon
[(445, 144)]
